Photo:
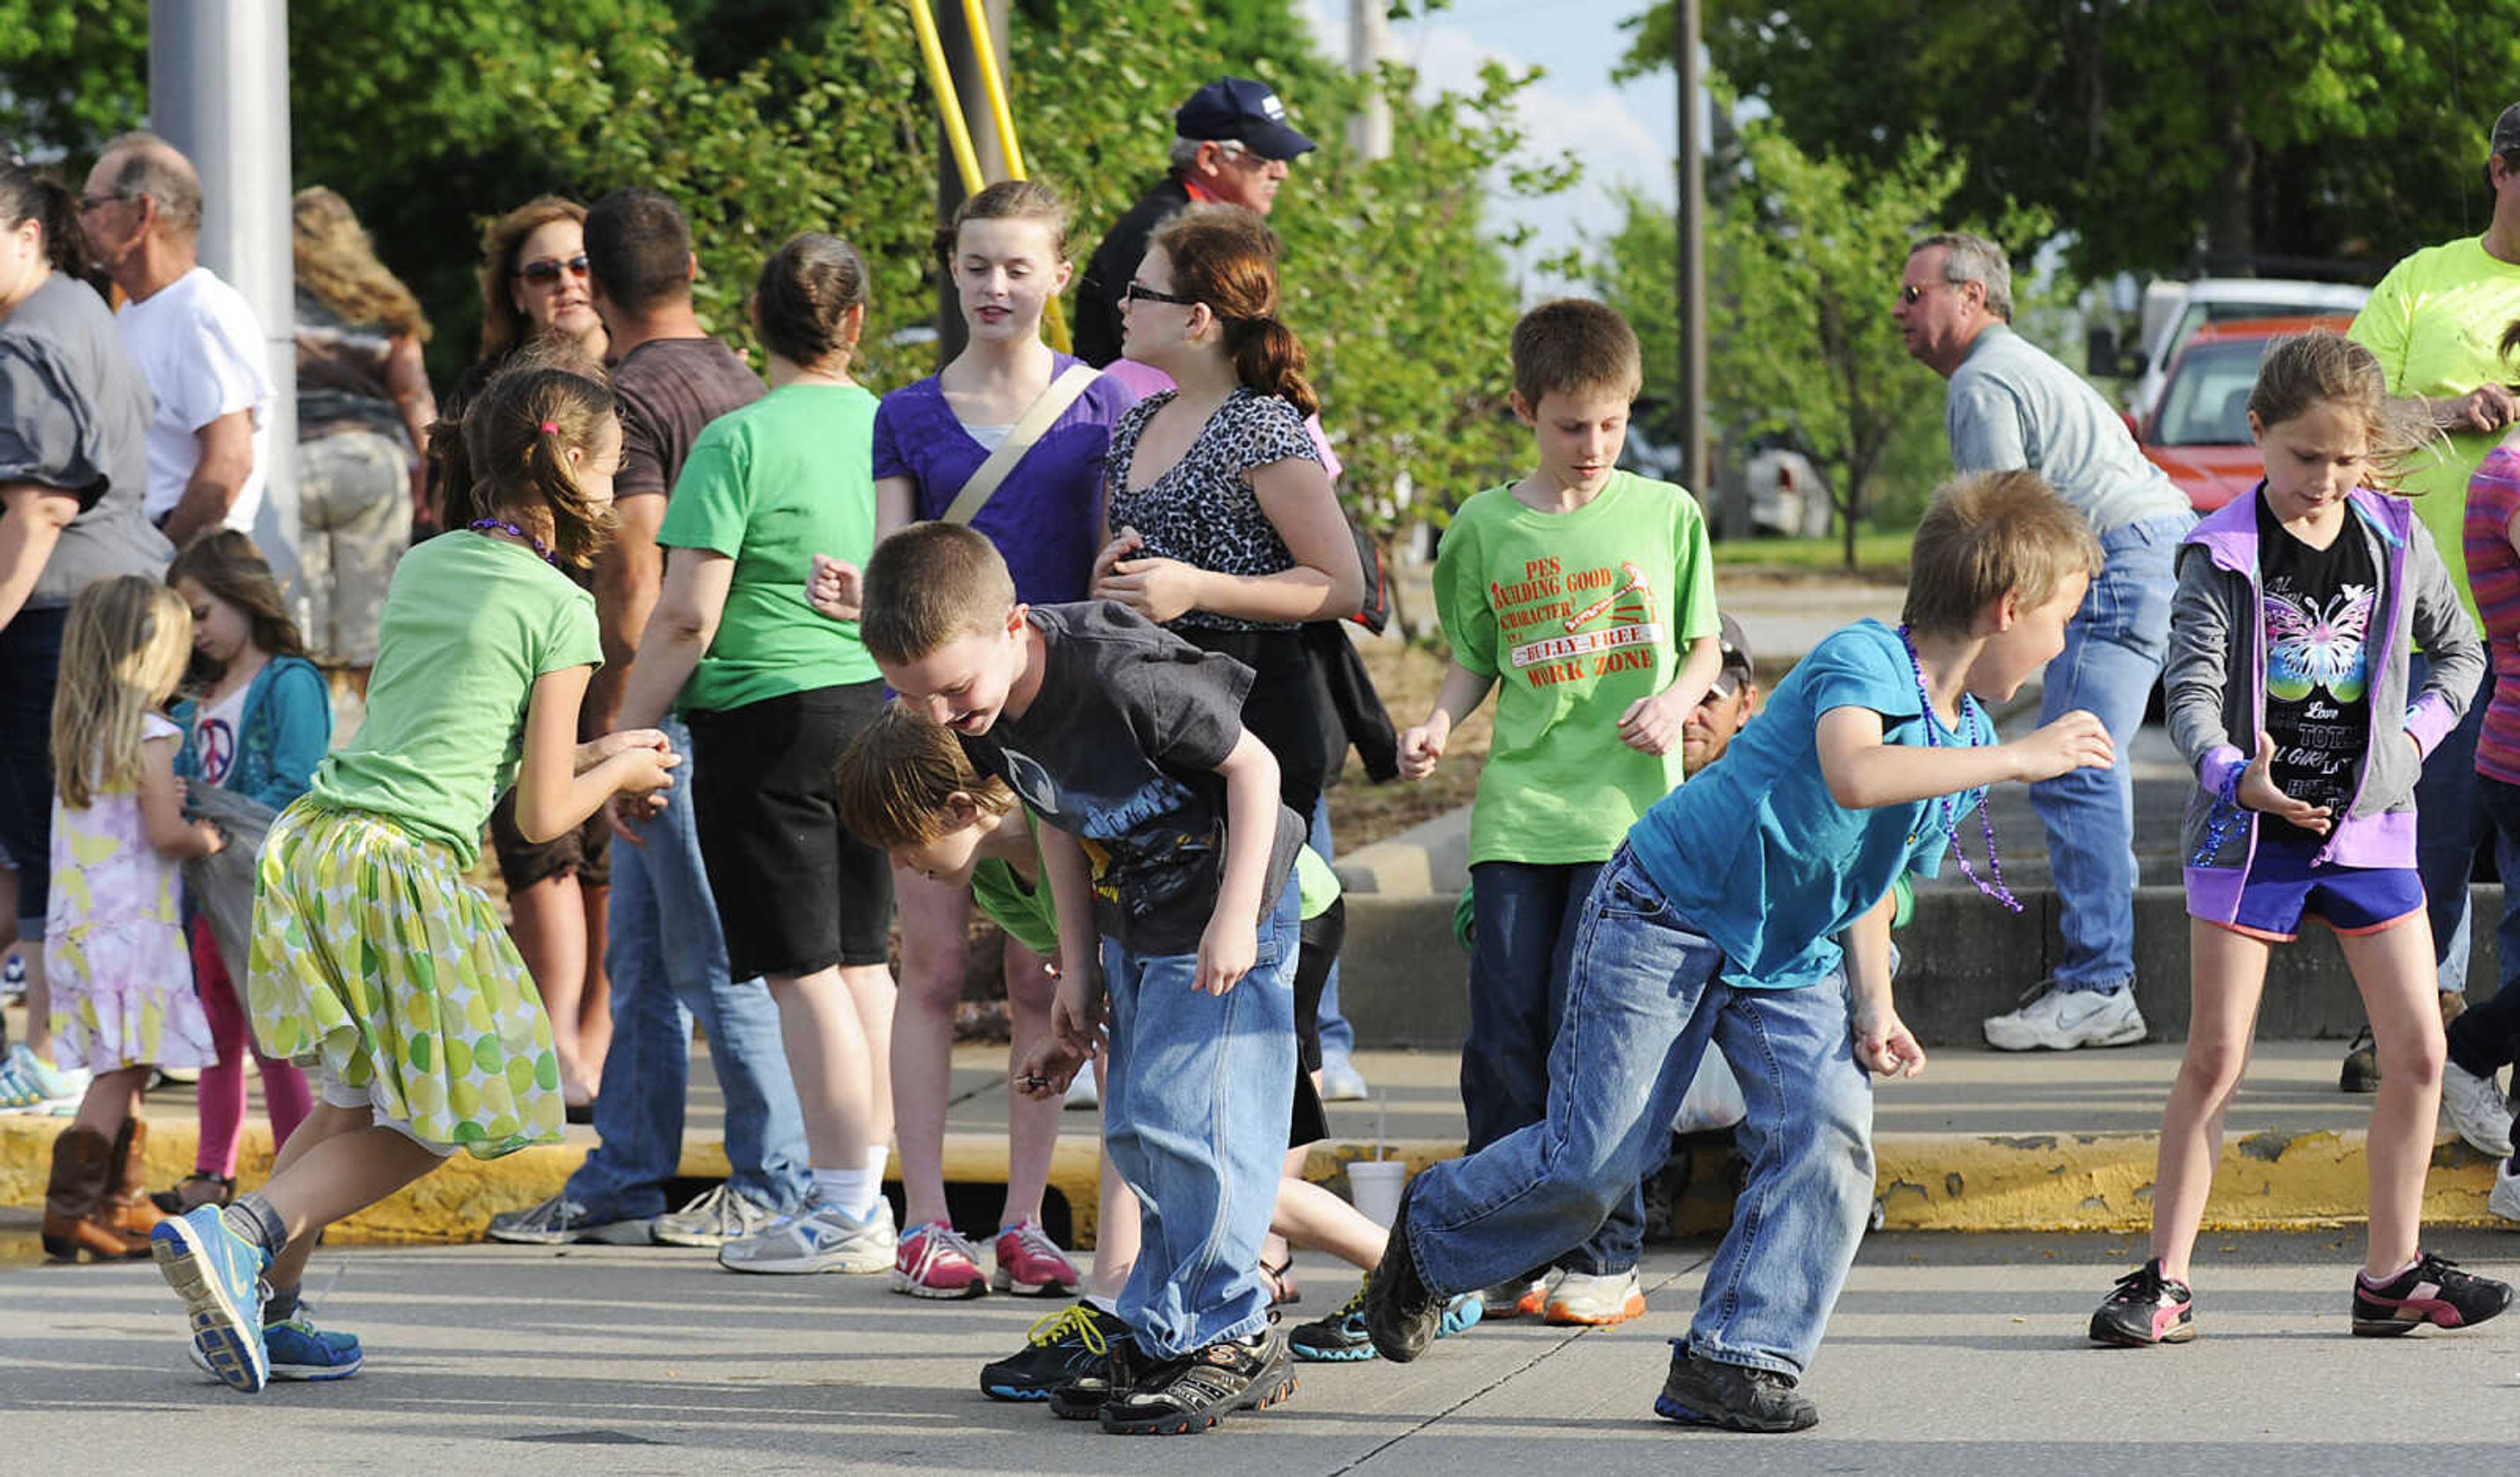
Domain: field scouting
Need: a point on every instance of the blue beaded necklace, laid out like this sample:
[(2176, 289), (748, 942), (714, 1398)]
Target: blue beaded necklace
[(502, 526), (1981, 731)]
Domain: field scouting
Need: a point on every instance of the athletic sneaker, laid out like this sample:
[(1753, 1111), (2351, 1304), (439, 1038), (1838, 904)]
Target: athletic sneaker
[(2360, 1072), (1187, 1395), (1401, 1311), (218, 1274), (1084, 1094), (1062, 1348), (1084, 1396), (721, 1216), (1519, 1297), (2505, 1199), (934, 1260), (1031, 1265), (2146, 1309), (29, 1083), (2476, 1111), (1342, 1082), (2055, 1019), (1595, 1301), (1341, 1338), (301, 1351), (2432, 1291), (560, 1221), (817, 1239), (1706, 1392)]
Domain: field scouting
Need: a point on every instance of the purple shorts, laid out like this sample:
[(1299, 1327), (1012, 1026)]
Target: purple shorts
[(2285, 886)]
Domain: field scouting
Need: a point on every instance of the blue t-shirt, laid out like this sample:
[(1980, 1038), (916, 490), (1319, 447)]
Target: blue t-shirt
[(1047, 516), (1755, 852)]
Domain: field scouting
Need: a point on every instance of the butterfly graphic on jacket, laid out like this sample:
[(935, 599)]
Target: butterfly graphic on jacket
[(2309, 647)]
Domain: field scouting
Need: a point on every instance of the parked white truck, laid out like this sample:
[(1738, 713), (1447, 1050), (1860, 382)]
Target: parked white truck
[(2172, 312)]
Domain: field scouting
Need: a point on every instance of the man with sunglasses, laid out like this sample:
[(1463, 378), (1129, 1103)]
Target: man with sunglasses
[(2010, 406), (193, 339), (1231, 145)]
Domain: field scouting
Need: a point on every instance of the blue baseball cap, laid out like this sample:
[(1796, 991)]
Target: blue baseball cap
[(1240, 110)]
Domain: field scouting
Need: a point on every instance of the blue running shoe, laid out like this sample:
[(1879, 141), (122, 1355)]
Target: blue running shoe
[(301, 1351), (1340, 1338), (218, 1274)]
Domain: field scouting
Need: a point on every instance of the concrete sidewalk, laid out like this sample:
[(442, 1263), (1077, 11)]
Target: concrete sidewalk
[(1984, 1141)]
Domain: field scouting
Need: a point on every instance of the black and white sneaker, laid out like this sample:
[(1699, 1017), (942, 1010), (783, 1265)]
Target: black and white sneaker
[(1187, 1395), (1706, 1392), (2146, 1309), (1402, 1312), (1083, 1396), (1066, 1346)]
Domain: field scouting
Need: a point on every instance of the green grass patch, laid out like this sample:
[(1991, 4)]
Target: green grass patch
[(1877, 554)]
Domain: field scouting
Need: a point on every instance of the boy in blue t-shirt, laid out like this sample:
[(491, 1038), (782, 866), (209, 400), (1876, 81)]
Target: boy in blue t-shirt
[(1716, 923)]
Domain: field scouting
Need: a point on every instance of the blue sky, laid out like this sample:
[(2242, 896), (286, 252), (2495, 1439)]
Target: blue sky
[(1622, 134)]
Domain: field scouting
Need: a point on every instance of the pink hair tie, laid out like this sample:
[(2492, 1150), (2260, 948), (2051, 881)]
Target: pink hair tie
[(550, 429)]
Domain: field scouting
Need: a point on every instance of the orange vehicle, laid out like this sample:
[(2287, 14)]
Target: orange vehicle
[(2198, 431)]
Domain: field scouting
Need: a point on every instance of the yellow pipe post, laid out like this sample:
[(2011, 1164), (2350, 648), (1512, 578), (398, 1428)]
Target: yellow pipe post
[(984, 50), (949, 102)]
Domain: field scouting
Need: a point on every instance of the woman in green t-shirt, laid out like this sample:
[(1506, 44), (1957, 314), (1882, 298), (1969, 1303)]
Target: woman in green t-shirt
[(772, 691)]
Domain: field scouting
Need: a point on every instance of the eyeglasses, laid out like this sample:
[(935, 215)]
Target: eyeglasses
[(543, 271), (1908, 293), (89, 203), (1139, 291)]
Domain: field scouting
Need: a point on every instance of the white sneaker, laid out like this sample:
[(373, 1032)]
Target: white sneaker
[(2505, 1199), (1342, 1082), (1517, 1298), (2060, 1019), (715, 1219), (1084, 1094), (2476, 1111), (1595, 1299), (817, 1239)]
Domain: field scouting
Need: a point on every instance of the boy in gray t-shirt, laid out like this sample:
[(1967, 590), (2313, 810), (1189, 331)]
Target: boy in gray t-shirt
[(1158, 806)]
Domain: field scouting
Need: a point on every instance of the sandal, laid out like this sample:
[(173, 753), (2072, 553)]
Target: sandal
[(192, 1192), (1283, 1289)]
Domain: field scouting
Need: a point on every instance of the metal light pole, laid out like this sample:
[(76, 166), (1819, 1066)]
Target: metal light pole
[(1369, 132), (219, 90), (1692, 254)]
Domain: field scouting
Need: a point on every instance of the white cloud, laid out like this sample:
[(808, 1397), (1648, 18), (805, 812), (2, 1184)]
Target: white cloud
[(1563, 114)]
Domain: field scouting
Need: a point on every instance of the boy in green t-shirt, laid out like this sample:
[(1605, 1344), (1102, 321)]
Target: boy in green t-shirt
[(1587, 595)]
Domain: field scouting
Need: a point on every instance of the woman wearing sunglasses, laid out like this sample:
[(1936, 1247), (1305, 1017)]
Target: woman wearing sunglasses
[(536, 299)]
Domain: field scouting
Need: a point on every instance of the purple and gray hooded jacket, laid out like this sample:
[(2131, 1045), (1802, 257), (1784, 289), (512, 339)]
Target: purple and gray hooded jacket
[(2214, 688)]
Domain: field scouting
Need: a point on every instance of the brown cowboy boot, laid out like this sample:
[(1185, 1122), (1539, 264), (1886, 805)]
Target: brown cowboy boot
[(83, 1163), (126, 1207)]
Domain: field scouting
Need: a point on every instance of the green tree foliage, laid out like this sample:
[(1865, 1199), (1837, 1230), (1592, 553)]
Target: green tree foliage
[(2287, 133), (1803, 254)]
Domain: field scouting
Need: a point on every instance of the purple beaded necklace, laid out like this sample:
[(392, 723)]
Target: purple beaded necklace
[(502, 526), (1976, 717)]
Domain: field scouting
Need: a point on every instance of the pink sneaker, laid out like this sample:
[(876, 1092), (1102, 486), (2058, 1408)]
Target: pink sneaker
[(1031, 1265), (935, 1261)]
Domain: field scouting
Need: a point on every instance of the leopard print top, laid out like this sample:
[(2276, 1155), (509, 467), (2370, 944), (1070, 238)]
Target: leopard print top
[(1202, 510)]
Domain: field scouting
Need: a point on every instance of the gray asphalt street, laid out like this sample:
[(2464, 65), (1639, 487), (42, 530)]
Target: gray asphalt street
[(1950, 1355)]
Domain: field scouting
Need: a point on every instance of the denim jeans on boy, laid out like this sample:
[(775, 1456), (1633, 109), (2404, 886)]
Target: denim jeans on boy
[(1338, 1037), (2114, 649), (2450, 825), (1643, 1003), (1195, 1099), (2485, 1037), (1526, 919), (667, 960)]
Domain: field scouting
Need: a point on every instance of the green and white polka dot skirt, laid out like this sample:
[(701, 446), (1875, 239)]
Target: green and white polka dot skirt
[(374, 958)]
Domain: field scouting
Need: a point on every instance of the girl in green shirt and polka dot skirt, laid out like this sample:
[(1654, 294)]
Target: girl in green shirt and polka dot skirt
[(375, 963)]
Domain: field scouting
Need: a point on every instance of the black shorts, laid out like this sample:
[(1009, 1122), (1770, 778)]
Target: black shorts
[(1285, 709), (1322, 938), (584, 853), (796, 891)]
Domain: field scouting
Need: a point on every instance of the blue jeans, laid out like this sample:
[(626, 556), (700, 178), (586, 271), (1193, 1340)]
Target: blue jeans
[(2114, 649), (1526, 919), (1338, 1037), (2450, 825), (1194, 1103), (1645, 1001), (2485, 1037), (667, 960)]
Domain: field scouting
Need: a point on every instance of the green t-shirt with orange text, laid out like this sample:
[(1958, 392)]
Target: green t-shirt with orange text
[(1576, 615)]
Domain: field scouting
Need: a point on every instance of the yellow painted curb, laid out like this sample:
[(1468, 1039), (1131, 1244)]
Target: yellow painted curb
[(1926, 1181)]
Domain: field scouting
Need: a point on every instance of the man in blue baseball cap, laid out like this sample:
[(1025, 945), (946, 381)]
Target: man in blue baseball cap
[(1232, 144)]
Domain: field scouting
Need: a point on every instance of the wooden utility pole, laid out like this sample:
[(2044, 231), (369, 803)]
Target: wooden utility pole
[(1692, 255), (1369, 132)]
